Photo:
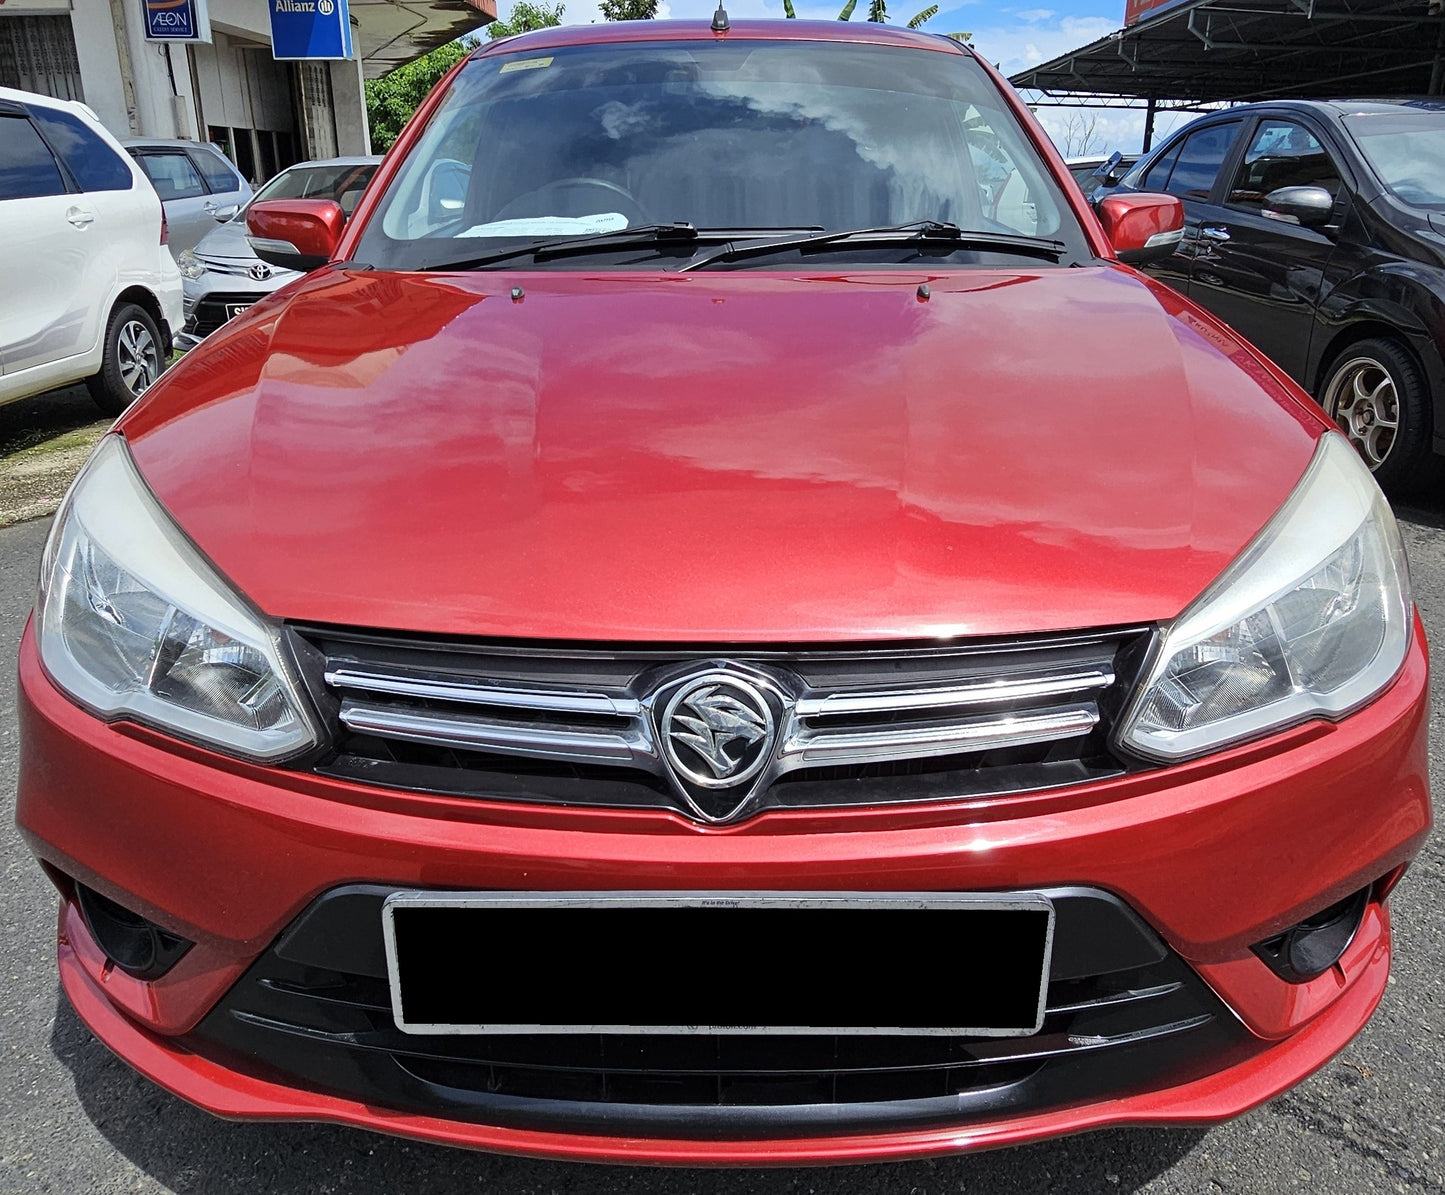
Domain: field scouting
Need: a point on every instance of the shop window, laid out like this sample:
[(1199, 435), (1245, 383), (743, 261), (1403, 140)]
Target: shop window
[(266, 145), (38, 54), (245, 157)]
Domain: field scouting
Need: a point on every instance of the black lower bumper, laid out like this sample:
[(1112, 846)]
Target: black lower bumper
[(1125, 1015)]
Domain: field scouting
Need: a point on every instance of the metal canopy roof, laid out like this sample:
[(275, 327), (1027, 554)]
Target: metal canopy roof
[(1212, 51)]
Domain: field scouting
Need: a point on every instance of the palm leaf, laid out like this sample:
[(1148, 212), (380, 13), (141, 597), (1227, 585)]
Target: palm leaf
[(789, 11), (847, 13), (927, 14)]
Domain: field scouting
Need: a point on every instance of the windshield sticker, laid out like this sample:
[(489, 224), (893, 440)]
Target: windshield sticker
[(549, 226), (527, 64)]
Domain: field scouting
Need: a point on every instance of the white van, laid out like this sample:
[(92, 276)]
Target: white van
[(88, 289)]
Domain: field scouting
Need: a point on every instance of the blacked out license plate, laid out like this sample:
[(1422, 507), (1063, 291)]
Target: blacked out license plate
[(727, 963)]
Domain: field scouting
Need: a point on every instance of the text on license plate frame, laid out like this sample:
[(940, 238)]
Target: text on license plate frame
[(235, 309)]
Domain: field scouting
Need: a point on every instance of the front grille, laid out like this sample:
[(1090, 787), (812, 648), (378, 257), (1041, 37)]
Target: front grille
[(856, 726), (1125, 1015)]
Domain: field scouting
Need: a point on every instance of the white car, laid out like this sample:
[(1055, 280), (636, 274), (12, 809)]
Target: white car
[(88, 290)]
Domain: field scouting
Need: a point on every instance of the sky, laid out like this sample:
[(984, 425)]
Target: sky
[(1011, 36)]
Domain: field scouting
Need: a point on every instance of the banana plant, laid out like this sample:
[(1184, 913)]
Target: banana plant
[(877, 12)]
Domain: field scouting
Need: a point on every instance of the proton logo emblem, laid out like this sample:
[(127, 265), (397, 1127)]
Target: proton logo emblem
[(717, 731), (260, 271)]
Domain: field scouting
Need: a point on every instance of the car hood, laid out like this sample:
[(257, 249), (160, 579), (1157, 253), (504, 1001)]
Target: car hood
[(723, 457), (227, 240)]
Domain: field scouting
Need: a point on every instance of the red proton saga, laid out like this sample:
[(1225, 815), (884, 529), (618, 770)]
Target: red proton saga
[(722, 623)]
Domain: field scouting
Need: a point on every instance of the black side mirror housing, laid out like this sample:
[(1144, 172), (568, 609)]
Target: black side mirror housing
[(1309, 206)]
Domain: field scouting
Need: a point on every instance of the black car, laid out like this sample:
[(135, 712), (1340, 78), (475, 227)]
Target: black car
[(1317, 230)]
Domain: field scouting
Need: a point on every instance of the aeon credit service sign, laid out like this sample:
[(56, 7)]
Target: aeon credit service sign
[(176, 20)]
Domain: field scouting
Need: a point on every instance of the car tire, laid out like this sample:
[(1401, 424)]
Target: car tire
[(134, 358), (1377, 395)]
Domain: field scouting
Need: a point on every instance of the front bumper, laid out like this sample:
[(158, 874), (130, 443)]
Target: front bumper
[(1214, 855)]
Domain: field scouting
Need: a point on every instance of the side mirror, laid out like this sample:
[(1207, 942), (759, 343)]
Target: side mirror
[(221, 214), (295, 234), (1310, 206), (446, 190), (1142, 227)]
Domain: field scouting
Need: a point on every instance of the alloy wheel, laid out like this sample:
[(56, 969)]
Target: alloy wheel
[(138, 357), (1364, 400)]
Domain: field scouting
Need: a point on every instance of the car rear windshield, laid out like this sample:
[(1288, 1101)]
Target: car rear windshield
[(749, 135), (1407, 150)]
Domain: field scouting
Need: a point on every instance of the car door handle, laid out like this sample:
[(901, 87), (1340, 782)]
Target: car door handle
[(79, 216), (1214, 234)]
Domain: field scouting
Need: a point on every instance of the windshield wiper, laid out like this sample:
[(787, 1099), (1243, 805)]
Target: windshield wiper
[(915, 231), (641, 236), (619, 238)]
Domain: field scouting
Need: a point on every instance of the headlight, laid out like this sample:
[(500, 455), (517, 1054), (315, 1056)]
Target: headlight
[(133, 622), (190, 265), (1312, 619)]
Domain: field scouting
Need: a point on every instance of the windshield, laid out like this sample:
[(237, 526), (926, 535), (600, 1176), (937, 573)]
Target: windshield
[(761, 136), (1407, 151), (341, 182)]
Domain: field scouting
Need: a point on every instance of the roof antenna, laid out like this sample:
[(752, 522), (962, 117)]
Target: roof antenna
[(720, 22)]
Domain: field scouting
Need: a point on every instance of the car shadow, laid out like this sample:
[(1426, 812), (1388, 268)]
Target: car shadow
[(192, 1153)]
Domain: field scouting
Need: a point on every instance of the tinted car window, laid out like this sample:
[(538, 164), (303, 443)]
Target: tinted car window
[(93, 164), (27, 168), (173, 175), (724, 135), (218, 175), (1282, 154), (1199, 161), (1156, 178)]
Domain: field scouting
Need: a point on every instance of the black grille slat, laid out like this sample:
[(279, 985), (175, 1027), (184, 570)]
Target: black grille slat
[(444, 717)]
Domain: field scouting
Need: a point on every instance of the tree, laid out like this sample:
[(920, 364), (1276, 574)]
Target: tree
[(1081, 135), (629, 10), (877, 12), (392, 99), (526, 17)]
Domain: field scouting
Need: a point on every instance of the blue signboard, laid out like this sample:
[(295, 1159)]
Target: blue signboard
[(176, 20), (310, 29)]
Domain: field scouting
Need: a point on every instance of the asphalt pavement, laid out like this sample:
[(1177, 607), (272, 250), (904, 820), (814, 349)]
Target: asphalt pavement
[(75, 1120)]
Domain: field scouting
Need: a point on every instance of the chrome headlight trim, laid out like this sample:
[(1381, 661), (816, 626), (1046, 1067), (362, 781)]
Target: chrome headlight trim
[(1313, 619), (133, 623)]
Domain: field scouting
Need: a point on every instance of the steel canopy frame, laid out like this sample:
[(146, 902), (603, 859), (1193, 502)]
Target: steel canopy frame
[(1202, 53)]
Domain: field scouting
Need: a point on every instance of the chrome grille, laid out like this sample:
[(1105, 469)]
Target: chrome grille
[(854, 725)]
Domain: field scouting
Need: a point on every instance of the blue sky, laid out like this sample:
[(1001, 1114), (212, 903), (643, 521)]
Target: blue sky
[(1013, 36)]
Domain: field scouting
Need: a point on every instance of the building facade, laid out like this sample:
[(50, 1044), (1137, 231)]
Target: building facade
[(263, 114)]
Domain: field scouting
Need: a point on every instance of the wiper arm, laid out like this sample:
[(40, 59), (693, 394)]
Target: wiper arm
[(640, 236), (620, 238), (894, 234)]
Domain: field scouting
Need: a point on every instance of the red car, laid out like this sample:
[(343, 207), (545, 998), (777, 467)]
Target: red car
[(723, 622)]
